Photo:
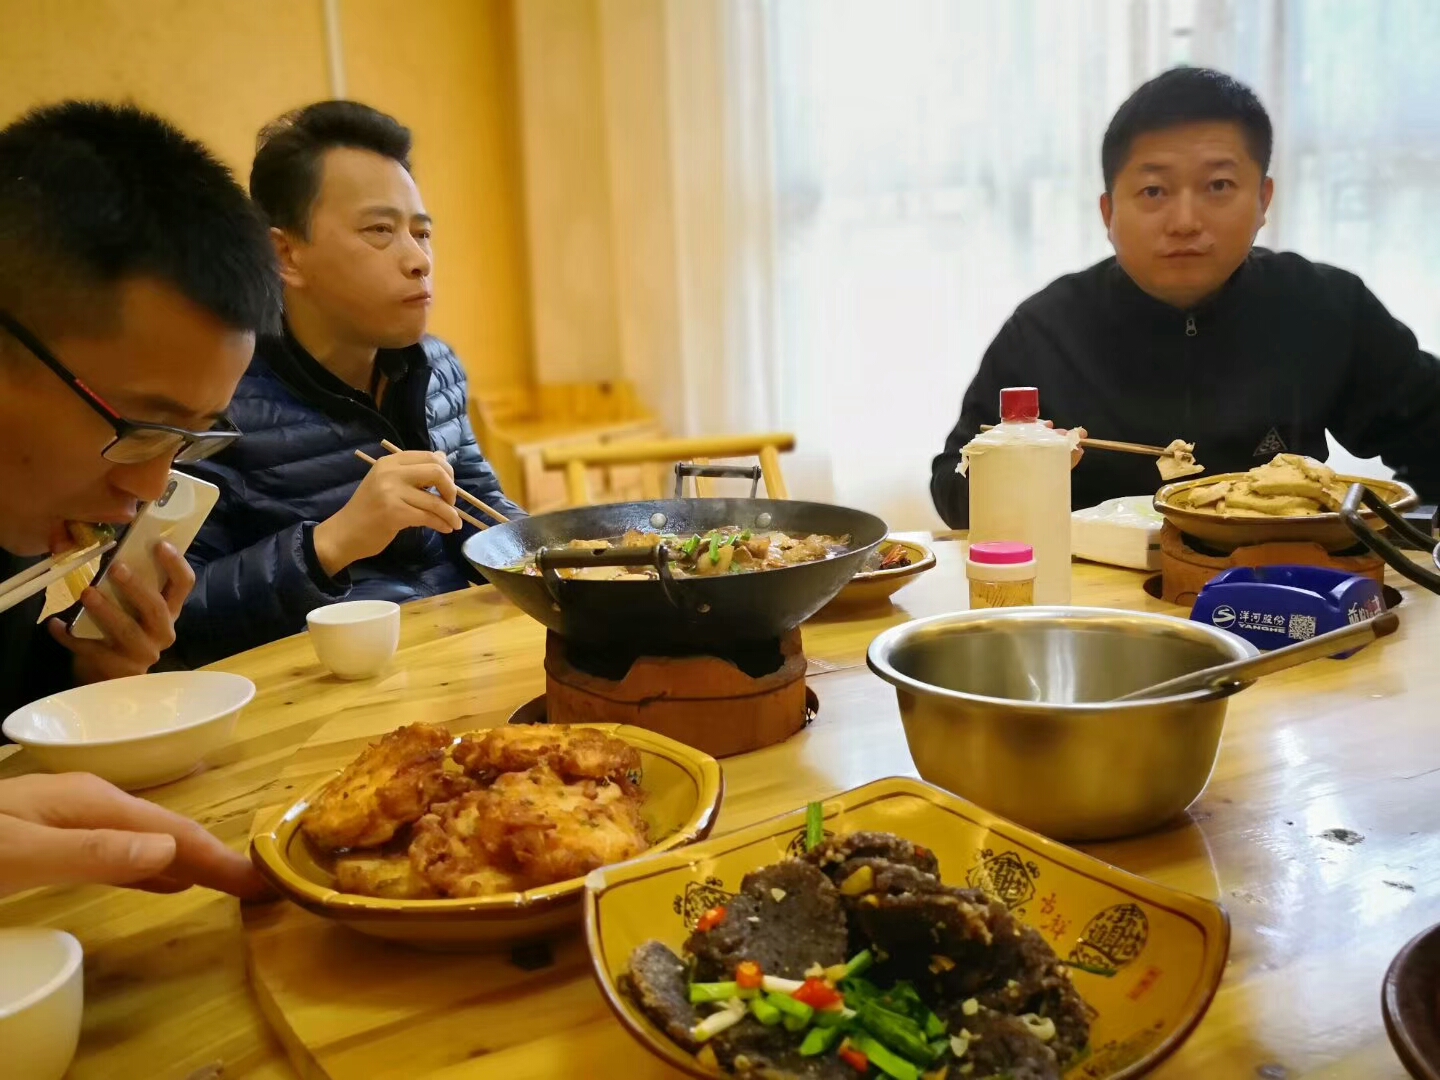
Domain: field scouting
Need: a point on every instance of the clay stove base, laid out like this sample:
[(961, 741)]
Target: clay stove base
[(1184, 571), (704, 701)]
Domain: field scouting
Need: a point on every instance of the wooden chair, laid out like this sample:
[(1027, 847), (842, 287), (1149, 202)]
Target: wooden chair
[(516, 425), (578, 461)]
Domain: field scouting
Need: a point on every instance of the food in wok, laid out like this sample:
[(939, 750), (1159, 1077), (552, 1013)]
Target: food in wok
[(1288, 486), (420, 815), (856, 960), (727, 550)]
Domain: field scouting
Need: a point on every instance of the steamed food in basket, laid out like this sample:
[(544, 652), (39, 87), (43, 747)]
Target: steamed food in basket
[(1288, 486), (856, 960), (420, 815)]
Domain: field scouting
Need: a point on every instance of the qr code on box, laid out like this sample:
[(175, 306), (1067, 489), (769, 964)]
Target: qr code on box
[(1302, 627)]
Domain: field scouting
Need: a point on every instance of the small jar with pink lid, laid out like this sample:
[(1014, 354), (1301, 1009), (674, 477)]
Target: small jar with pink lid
[(1001, 573)]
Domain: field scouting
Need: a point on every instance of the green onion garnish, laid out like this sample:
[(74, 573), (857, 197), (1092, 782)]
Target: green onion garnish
[(814, 825)]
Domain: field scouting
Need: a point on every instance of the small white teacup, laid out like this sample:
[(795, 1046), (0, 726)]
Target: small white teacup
[(355, 640), (41, 998)]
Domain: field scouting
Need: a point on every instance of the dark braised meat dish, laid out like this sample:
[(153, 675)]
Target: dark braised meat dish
[(857, 960)]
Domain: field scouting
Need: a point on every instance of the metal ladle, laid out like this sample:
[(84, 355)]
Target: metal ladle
[(1248, 670)]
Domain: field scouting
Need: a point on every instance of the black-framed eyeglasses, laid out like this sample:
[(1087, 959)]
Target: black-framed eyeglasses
[(135, 441)]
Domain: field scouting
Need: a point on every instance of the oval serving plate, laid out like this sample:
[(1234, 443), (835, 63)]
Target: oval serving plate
[(877, 586), (683, 788), (1147, 959), (1228, 531)]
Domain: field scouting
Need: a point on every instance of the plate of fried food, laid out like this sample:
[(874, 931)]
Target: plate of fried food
[(898, 931), (484, 839), (1289, 499)]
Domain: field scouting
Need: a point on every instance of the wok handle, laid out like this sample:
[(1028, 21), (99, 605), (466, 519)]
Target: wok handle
[(551, 560), (1350, 514), (731, 472)]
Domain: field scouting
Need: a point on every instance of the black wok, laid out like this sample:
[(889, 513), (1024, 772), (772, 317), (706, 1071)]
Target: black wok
[(671, 613)]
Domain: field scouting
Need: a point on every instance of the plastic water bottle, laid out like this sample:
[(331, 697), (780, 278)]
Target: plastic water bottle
[(1019, 475)]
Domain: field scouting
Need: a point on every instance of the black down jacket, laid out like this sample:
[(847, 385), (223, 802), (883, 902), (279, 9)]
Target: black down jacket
[(254, 560)]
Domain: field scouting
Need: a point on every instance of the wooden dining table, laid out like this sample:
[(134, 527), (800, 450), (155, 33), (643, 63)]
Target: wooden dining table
[(1319, 832)]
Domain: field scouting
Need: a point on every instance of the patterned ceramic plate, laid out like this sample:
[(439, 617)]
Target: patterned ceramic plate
[(874, 586), (1147, 959), (682, 789)]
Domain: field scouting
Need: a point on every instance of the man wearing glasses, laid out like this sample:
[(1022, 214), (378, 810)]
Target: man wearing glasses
[(134, 277)]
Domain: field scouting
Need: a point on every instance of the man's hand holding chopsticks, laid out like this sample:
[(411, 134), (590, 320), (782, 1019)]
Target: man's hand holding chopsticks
[(396, 494)]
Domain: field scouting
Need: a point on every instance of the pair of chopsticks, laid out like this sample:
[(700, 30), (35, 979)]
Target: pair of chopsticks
[(1109, 444), (37, 578), (469, 519)]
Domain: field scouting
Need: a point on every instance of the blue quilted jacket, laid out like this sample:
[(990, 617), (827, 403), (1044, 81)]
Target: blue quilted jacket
[(254, 560)]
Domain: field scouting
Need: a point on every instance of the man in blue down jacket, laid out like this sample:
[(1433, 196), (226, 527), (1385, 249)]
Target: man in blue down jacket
[(301, 521)]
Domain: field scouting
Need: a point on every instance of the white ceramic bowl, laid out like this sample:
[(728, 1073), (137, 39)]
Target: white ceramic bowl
[(42, 994), (136, 732), (355, 640)]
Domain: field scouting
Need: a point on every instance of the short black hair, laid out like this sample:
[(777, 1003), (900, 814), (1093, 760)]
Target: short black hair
[(290, 153), (1185, 95), (93, 194)]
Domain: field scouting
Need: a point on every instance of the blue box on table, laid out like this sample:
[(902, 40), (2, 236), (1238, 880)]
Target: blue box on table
[(1272, 606)]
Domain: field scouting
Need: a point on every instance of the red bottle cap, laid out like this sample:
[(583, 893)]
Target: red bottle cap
[(1001, 553), (1019, 404)]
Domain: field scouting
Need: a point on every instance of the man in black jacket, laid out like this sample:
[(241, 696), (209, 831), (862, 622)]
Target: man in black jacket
[(301, 521), (1190, 332), (134, 276)]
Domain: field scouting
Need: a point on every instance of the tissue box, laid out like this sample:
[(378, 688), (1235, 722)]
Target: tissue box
[(1119, 532)]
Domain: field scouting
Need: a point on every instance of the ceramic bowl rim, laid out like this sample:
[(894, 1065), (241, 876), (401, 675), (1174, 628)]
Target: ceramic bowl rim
[(317, 616), (878, 659), (24, 738), (925, 562), (74, 957), (1397, 976), (1396, 493)]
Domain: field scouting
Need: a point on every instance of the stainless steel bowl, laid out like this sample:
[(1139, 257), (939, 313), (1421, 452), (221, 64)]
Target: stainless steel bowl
[(1010, 708)]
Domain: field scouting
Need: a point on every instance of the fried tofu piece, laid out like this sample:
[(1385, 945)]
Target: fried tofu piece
[(1273, 505), (450, 855), (572, 753), (527, 829), (1208, 494), (390, 785), (391, 877), (1178, 460), (1289, 485)]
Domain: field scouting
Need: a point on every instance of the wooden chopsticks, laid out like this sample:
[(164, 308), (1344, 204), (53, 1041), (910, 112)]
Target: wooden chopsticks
[(37, 578), (499, 517), (469, 519), (1109, 444)]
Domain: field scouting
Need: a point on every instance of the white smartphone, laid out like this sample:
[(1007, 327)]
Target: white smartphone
[(176, 517)]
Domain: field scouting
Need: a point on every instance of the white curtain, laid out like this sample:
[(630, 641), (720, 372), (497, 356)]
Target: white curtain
[(937, 162), (822, 210)]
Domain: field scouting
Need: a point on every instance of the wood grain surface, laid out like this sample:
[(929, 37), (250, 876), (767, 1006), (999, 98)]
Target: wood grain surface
[(1318, 832)]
